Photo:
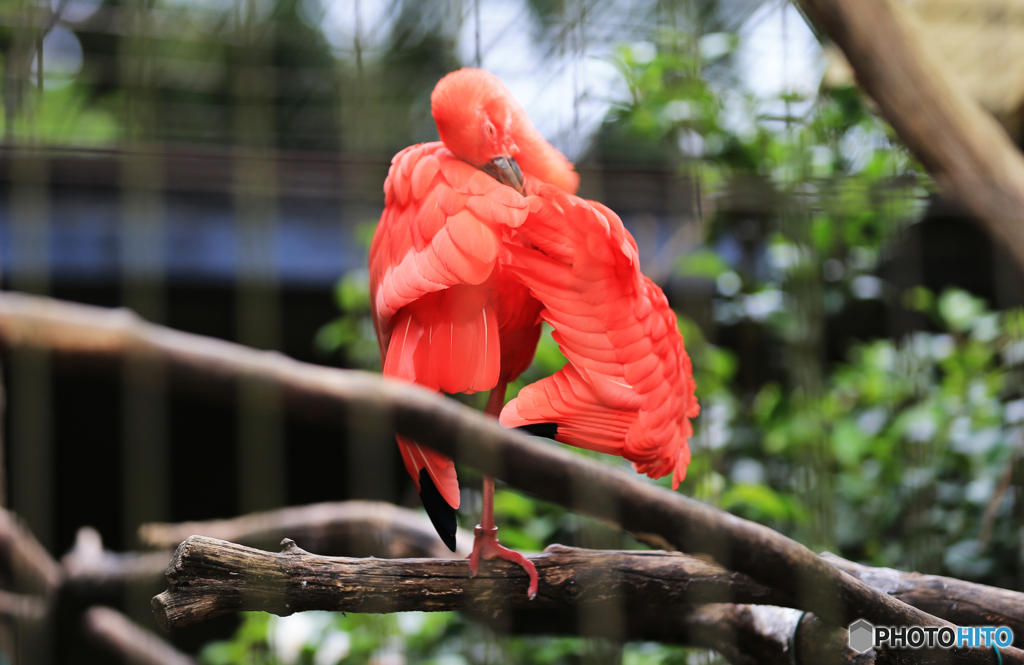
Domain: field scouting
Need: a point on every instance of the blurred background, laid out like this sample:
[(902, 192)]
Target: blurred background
[(217, 166)]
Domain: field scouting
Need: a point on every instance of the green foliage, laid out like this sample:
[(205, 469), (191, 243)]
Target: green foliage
[(413, 638), (546, 361), (351, 335), (899, 455), (65, 114), (921, 432), (670, 102)]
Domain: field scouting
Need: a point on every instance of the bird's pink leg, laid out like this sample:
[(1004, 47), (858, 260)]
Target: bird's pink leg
[(485, 544)]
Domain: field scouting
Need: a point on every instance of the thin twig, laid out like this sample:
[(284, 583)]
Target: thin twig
[(32, 567), (22, 607), (348, 528), (988, 518), (91, 570), (123, 637)]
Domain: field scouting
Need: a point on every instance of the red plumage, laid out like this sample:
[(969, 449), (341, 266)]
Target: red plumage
[(463, 269)]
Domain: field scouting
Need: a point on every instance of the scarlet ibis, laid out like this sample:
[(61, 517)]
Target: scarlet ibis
[(482, 239)]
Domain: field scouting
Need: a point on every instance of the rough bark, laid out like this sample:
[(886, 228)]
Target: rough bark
[(959, 602), (659, 596), (349, 528), (209, 577), (970, 156)]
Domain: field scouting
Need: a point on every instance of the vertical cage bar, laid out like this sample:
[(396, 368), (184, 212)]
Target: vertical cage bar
[(145, 480), (31, 437), (262, 459)]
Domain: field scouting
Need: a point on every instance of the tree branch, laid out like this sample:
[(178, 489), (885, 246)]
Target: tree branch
[(763, 635), (89, 334), (91, 570), (209, 577), (32, 568), (22, 607), (123, 637), (742, 634), (654, 594), (962, 146), (962, 603), (349, 528)]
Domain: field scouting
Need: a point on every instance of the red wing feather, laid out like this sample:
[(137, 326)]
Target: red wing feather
[(408, 359), (441, 227), (628, 387), (437, 243)]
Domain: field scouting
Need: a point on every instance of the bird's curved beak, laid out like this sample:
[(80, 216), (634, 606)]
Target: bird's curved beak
[(505, 170)]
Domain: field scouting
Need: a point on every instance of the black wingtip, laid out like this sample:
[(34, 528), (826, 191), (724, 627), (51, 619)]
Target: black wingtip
[(441, 515), (546, 430)]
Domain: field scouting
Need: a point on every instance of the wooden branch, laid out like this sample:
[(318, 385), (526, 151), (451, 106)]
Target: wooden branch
[(22, 607), (962, 603), (89, 334), (209, 577), (653, 593), (742, 634), (133, 643), (348, 528), (31, 566), (762, 635), (345, 528), (91, 570), (962, 146)]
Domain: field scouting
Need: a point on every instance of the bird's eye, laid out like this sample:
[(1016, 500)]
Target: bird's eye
[(489, 128)]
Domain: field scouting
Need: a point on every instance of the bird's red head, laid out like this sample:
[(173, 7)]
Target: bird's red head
[(480, 121)]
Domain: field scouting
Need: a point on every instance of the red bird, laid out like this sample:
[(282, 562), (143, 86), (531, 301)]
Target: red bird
[(481, 240)]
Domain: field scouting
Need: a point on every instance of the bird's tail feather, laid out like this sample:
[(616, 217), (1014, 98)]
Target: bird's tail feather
[(441, 514), (408, 360)]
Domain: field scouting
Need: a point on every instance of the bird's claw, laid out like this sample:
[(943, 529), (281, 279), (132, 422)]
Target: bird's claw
[(485, 546)]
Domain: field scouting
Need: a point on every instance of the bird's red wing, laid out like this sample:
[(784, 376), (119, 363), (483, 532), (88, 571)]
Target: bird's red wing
[(441, 227), (628, 387), (437, 244)]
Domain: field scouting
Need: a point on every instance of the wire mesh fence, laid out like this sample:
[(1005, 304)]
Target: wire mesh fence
[(217, 167)]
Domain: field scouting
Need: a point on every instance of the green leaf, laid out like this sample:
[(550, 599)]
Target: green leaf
[(849, 443), (702, 263), (511, 504), (959, 309), (352, 292), (364, 232), (757, 498)]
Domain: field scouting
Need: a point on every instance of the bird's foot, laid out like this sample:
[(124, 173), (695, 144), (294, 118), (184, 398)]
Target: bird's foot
[(485, 546)]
